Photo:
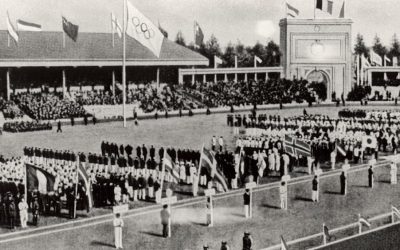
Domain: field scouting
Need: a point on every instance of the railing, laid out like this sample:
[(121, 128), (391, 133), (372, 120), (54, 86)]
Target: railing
[(394, 213)]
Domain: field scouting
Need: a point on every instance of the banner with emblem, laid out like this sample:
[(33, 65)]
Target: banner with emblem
[(140, 28)]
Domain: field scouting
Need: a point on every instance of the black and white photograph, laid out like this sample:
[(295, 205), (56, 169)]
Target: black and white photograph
[(199, 124)]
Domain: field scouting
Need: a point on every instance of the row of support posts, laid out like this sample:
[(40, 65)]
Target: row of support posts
[(226, 77), (64, 82)]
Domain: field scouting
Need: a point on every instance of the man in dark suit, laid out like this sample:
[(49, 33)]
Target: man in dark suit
[(343, 188), (144, 151)]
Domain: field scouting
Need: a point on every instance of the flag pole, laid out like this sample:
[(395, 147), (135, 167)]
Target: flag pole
[(315, 6), (63, 39), (163, 174), (112, 30), (124, 66), (76, 191), (8, 40)]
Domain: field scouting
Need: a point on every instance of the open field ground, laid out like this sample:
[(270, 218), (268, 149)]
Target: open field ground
[(142, 230)]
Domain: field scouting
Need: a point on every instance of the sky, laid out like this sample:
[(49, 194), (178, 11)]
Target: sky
[(248, 21)]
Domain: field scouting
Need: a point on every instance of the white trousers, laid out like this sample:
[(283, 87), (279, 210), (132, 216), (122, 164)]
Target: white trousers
[(118, 237)]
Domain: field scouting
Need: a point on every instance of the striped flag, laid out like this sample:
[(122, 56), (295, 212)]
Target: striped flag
[(27, 26), (340, 150), (84, 177), (11, 29), (325, 5), (170, 166), (291, 11), (364, 221), (284, 246), (208, 161), (39, 179)]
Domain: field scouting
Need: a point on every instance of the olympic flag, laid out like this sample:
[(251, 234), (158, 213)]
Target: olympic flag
[(143, 30)]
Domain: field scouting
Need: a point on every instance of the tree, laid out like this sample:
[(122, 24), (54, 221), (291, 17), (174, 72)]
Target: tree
[(244, 57), (273, 54), (229, 55), (180, 39), (394, 50), (211, 49), (378, 47), (259, 50), (360, 48)]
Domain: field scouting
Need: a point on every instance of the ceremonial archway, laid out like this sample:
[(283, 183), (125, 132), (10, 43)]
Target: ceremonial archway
[(320, 76)]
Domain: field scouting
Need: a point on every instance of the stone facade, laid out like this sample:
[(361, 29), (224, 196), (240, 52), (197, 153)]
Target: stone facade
[(318, 50)]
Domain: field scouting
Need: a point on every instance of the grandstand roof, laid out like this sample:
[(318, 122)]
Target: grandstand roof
[(37, 49)]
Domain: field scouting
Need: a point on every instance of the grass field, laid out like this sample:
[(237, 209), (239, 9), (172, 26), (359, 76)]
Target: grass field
[(143, 232)]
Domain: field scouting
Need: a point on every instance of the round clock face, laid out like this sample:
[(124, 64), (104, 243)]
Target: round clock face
[(317, 28), (317, 48)]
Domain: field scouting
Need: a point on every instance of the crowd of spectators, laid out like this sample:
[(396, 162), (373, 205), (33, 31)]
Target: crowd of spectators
[(250, 92), (26, 126), (48, 106), (10, 109)]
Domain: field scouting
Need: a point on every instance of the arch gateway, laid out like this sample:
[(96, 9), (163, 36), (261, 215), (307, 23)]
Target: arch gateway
[(318, 50)]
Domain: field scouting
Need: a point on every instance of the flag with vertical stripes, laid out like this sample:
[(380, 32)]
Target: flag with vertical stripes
[(85, 179), (291, 11), (169, 165), (208, 161)]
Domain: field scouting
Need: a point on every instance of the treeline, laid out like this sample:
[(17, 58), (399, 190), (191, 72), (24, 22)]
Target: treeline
[(269, 52), (393, 50)]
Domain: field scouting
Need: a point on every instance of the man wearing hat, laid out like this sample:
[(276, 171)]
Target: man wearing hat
[(224, 245), (247, 241)]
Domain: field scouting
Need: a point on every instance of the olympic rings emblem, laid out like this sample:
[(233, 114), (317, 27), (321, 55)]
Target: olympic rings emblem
[(142, 28)]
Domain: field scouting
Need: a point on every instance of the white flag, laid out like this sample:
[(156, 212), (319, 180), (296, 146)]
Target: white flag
[(143, 30), (375, 58), (395, 61), (11, 30), (257, 60), (116, 27), (217, 61), (364, 62)]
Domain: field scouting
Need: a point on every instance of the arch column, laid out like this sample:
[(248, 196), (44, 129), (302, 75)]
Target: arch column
[(8, 84), (64, 83)]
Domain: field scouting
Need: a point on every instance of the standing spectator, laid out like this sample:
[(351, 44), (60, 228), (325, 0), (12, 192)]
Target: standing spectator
[(23, 212), (247, 241), (35, 211), (59, 127), (221, 143), (11, 212), (246, 203), (118, 225), (224, 245), (315, 189), (165, 217)]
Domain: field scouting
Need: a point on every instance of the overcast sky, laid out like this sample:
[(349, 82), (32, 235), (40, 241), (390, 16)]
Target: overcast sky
[(230, 20)]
